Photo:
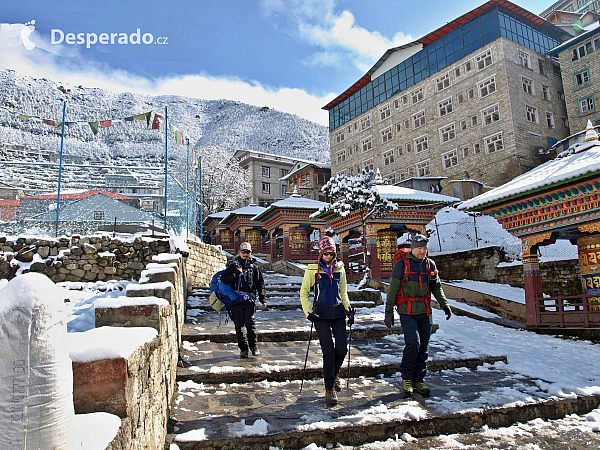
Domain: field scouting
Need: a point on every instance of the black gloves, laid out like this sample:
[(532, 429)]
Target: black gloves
[(389, 320), (448, 312), (350, 315), (313, 317)]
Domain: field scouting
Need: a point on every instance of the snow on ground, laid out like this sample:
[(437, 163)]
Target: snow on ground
[(108, 342), (95, 431), (504, 291)]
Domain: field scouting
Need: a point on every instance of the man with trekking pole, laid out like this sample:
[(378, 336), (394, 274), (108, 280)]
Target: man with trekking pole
[(328, 313)]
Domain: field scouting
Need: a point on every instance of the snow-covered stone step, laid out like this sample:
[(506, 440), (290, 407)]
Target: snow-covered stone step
[(263, 414), (277, 325), (211, 362)]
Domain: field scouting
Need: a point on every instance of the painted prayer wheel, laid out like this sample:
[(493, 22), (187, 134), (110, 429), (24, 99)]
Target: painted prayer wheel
[(253, 237), (386, 248), (226, 238), (589, 265), (298, 241)]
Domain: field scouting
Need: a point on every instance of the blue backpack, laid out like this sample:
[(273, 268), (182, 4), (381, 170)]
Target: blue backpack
[(222, 295)]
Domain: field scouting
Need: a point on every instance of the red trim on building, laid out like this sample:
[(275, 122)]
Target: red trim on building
[(9, 202), (82, 195), (348, 92)]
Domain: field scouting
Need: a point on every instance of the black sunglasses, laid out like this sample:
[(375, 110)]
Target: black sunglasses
[(245, 251), (328, 253)]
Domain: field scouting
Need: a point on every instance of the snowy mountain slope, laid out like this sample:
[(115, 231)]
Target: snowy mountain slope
[(211, 124)]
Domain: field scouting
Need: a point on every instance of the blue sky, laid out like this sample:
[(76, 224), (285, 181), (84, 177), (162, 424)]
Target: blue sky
[(292, 55)]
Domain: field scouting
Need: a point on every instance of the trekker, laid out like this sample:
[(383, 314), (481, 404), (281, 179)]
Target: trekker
[(414, 278), (328, 312), (252, 285)]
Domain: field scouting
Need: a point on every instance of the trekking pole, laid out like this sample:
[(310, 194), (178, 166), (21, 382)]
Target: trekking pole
[(349, 348), (306, 357)]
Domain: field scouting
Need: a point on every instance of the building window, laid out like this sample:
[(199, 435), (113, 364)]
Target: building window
[(447, 133), (474, 121), (367, 164), (487, 87), (582, 79), (410, 171), (390, 178), (586, 105), (284, 190), (550, 119), (531, 114), (450, 159), (494, 143), (471, 94), (266, 188), (465, 152), (445, 107), (476, 148), (407, 124), (408, 147), (561, 95), (542, 66), (468, 66), (418, 119), (556, 70), (490, 115), (423, 168), (397, 103), (365, 122), (527, 85), (421, 143), (457, 72), (460, 98), (98, 215), (546, 92), (366, 144), (266, 172), (385, 112), (322, 177), (523, 59), (341, 156), (484, 59), (305, 179), (284, 172), (399, 150), (355, 125), (417, 95), (463, 125), (442, 82), (388, 157), (339, 136), (386, 135)]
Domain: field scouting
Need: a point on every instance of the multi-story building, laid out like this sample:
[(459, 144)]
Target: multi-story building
[(476, 98), (580, 65), (572, 22), (308, 179), (266, 172), (555, 13)]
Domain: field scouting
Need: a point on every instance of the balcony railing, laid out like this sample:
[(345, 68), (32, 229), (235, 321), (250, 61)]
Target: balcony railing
[(572, 311)]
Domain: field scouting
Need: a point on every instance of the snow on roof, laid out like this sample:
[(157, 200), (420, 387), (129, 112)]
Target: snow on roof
[(219, 215), (294, 201), (402, 193), (588, 29), (304, 166), (245, 211), (579, 160)]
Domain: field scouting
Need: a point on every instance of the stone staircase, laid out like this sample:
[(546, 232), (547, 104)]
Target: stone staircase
[(226, 402)]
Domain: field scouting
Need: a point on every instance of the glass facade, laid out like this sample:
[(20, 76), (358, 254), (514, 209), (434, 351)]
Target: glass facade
[(441, 54)]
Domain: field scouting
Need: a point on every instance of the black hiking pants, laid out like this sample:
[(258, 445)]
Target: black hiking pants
[(243, 316), (417, 331), (333, 355)]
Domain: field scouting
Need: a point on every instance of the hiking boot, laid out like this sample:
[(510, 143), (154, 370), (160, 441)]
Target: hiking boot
[(331, 397), (421, 388), (244, 354), (337, 384), (255, 352), (407, 387)]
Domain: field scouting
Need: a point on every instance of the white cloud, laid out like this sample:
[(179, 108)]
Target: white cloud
[(76, 71), (316, 23)]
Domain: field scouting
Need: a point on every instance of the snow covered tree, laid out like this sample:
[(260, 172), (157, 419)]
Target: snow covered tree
[(224, 182), (357, 193)]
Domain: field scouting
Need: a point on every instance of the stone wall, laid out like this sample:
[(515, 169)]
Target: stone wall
[(202, 263), (139, 388), (558, 277), (90, 258)]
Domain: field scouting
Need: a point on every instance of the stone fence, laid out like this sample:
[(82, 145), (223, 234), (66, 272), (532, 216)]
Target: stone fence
[(85, 259), (558, 277), (202, 263), (138, 388)]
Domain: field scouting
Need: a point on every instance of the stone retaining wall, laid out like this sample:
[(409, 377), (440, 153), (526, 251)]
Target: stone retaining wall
[(90, 258), (505, 308), (139, 389), (202, 263)]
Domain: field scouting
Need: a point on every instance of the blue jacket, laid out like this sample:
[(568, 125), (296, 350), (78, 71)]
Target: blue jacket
[(331, 293)]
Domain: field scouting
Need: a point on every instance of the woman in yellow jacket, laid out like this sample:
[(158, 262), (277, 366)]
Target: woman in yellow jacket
[(328, 312)]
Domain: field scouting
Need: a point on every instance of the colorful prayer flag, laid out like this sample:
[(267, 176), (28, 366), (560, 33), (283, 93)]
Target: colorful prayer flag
[(52, 123), (157, 122), (128, 119), (105, 123), (139, 117), (174, 134), (148, 115), (24, 116), (94, 127)]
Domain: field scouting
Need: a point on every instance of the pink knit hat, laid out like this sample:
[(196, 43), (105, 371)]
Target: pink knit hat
[(324, 244)]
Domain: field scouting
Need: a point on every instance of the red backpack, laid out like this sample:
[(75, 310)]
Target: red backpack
[(400, 298)]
